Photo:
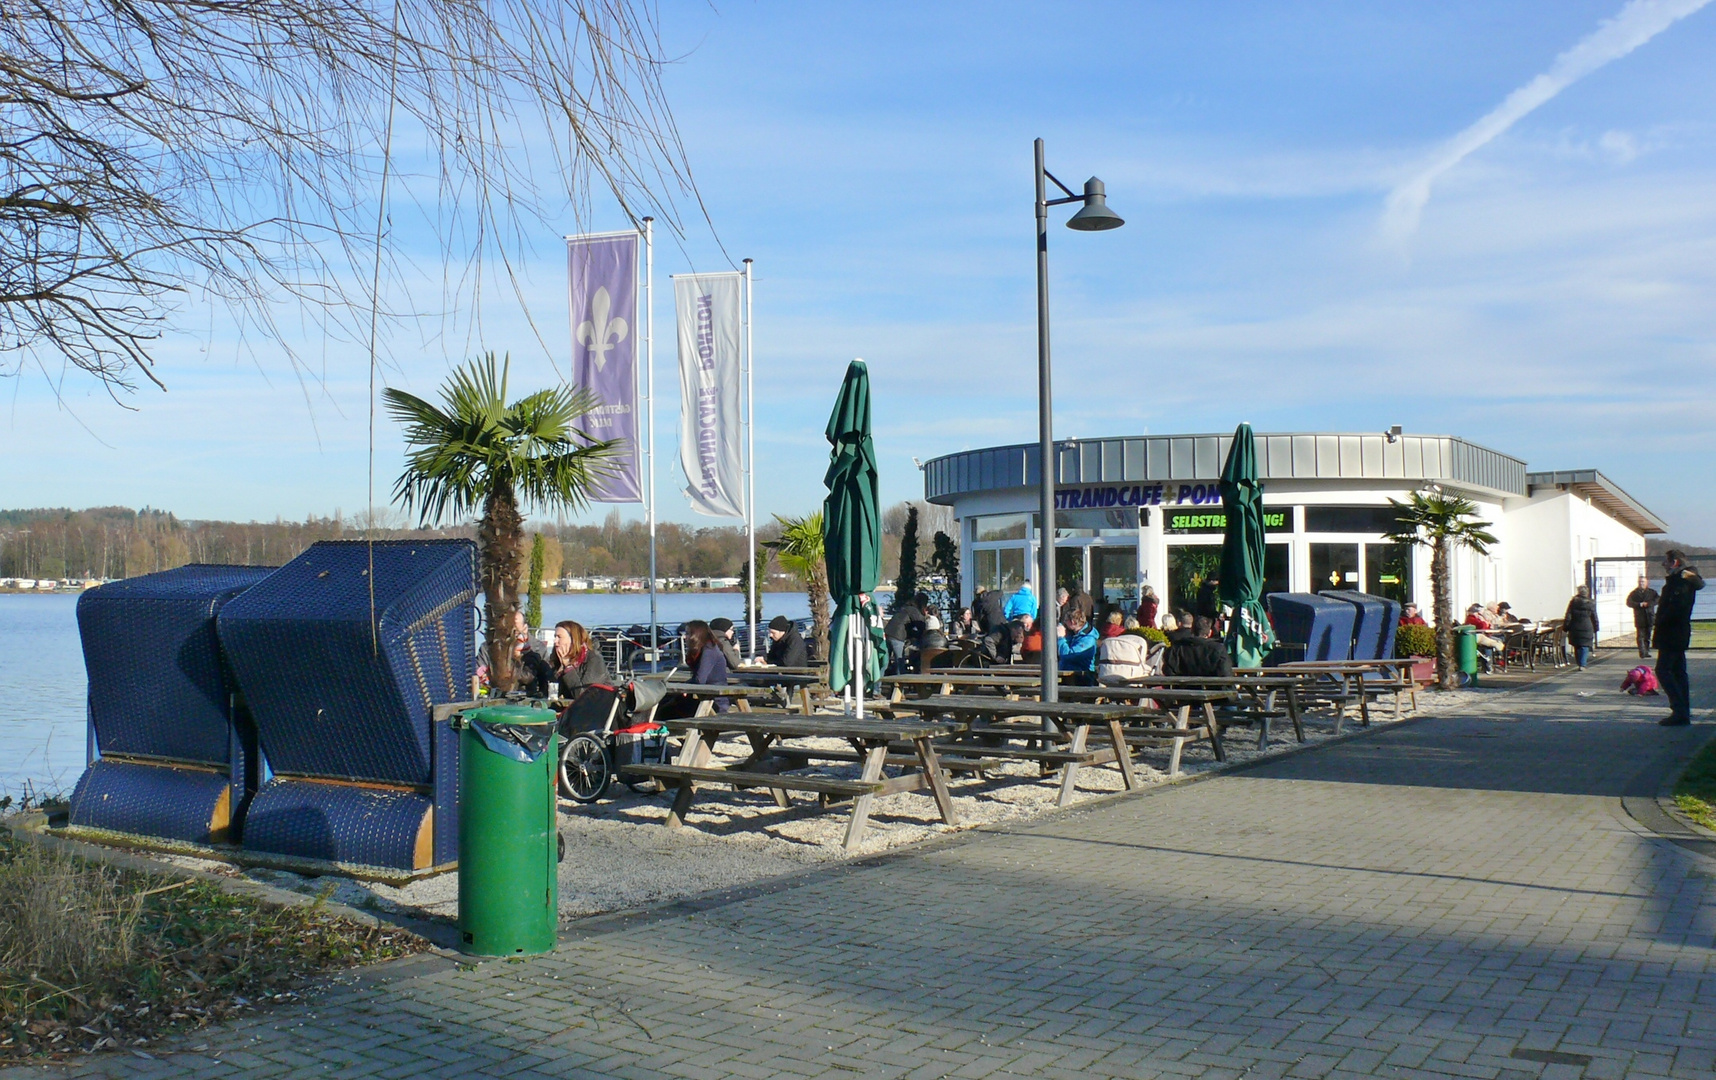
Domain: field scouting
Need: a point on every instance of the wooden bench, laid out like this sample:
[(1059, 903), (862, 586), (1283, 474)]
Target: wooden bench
[(869, 738), (1074, 718)]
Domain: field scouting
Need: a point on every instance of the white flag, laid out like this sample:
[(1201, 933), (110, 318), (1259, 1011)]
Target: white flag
[(708, 309)]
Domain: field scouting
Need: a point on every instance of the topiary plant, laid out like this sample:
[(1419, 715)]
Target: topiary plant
[(1150, 633), (1414, 640)]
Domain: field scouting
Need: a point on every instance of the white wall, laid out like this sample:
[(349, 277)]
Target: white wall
[(1550, 535)]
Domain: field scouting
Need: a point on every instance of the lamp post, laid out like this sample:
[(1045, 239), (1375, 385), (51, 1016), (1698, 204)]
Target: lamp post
[(1094, 216)]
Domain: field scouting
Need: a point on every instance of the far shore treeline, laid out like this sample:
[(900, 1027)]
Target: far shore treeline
[(116, 542)]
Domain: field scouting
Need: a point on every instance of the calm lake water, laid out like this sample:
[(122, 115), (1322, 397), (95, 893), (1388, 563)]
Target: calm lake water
[(43, 685)]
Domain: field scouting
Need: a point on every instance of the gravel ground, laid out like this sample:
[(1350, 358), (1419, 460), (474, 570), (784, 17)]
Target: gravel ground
[(619, 857)]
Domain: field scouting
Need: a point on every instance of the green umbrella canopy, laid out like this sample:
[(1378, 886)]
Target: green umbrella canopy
[(1249, 637), (852, 526)]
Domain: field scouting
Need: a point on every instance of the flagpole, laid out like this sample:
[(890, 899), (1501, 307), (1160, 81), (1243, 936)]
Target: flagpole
[(649, 423), (750, 465)]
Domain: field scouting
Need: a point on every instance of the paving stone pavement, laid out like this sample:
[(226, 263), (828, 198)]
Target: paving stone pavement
[(1459, 897)]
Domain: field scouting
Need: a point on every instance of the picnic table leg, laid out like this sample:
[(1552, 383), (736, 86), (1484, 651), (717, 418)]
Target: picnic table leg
[(742, 704), (1293, 712), (1215, 732), (1264, 703), (937, 780), (1123, 755), (1364, 704), (761, 744), (1182, 722), (693, 753), (804, 705), (1081, 736), (874, 758), (705, 707)]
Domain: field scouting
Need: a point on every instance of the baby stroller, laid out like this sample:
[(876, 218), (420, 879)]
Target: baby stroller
[(605, 728)]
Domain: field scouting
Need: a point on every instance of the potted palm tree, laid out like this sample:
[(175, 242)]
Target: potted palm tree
[(801, 553), (1441, 522), (476, 454)]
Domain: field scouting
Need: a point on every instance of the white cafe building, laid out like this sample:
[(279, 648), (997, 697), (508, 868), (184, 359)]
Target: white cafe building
[(1147, 510)]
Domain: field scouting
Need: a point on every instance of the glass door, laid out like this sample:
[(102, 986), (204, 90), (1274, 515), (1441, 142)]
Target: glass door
[(1334, 566), (1115, 571), (1388, 571)]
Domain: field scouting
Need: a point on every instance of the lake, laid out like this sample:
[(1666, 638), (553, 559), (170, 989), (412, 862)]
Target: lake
[(43, 684)]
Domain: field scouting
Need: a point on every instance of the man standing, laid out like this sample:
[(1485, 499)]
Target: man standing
[(1643, 602), (1674, 634)]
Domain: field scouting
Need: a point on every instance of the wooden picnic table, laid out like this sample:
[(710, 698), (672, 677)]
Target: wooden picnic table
[(1074, 720), (1260, 686), (1353, 675), (741, 695), (869, 737), (1179, 700), (949, 680), (790, 683)]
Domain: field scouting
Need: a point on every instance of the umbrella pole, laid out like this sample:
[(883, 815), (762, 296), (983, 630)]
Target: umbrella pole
[(862, 639)]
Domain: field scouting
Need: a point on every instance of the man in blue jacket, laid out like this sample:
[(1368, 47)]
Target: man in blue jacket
[(1023, 602), (1673, 634)]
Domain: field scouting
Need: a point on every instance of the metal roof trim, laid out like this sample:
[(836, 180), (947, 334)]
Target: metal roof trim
[(1281, 456), (1604, 492)]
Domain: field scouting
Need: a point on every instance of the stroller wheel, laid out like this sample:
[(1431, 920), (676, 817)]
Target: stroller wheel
[(584, 769)]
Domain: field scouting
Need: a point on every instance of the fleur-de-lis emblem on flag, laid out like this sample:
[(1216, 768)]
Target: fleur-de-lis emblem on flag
[(599, 333)]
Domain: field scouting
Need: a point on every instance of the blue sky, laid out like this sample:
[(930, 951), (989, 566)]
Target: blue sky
[(1552, 299)]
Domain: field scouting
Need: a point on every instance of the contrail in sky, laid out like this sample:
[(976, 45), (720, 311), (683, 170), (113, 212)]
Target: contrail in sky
[(1636, 24)]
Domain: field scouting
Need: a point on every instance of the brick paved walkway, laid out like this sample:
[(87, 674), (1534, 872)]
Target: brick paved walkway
[(1456, 897)]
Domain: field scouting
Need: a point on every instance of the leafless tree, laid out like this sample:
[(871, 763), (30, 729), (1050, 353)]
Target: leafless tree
[(158, 153)]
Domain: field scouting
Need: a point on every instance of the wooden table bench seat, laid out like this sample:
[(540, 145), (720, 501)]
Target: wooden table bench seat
[(870, 739)]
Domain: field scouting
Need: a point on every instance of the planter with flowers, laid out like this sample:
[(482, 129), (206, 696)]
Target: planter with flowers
[(1417, 643)]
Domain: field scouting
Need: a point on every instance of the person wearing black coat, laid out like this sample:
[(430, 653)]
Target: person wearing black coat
[(1642, 600), (1581, 625), (786, 645), (1198, 654), (1673, 634), (987, 607)]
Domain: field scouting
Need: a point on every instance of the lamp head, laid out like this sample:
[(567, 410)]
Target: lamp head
[(1094, 215)]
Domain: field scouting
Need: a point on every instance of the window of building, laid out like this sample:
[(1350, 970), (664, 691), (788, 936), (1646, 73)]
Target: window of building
[(1371, 520), (1388, 571), (1001, 527)]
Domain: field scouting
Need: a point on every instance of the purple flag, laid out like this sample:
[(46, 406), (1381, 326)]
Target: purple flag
[(603, 272)]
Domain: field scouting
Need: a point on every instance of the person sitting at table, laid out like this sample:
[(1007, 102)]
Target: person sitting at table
[(1487, 642), (1198, 653), (704, 658), (722, 628), (1184, 624), (1508, 618), (1410, 616), (1027, 640), (1076, 641), (574, 664), (786, 645), (1116, 624), (964, 626)]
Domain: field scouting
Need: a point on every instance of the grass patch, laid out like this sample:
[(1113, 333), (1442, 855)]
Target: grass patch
[(1704, 634), (93, 957), (1695, 791)]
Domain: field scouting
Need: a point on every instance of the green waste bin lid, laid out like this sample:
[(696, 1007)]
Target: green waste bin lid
[(511, 715)]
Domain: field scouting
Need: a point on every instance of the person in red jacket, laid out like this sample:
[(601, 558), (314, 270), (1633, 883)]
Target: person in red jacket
[(1409, 616)]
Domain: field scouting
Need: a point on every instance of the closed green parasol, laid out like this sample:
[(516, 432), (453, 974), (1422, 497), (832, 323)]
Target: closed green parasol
[(852, 531), (1249, 636)]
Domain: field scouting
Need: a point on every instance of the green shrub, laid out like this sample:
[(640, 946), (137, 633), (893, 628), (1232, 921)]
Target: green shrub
[(1150, 633), (1414, 641)]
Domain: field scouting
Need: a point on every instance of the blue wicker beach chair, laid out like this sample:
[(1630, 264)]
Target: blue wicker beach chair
[(362, 778), (170, 757)]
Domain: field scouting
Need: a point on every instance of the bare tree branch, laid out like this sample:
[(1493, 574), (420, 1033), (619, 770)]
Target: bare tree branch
[(154, 152)]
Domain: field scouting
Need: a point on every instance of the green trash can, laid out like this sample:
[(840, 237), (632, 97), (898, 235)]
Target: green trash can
[(1466, 651), (509, 882)]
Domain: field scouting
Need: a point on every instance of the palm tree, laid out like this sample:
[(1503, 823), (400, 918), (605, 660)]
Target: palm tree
[(800, 552), (1441, 523), (479, 452)]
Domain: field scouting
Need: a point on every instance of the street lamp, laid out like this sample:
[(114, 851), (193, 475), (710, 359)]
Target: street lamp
[(1094, 216)]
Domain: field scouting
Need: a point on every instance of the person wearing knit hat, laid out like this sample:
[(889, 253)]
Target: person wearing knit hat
[(723, 630), (786, 647)]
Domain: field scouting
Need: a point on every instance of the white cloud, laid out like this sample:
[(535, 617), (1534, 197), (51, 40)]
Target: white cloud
[(1634, 25)]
